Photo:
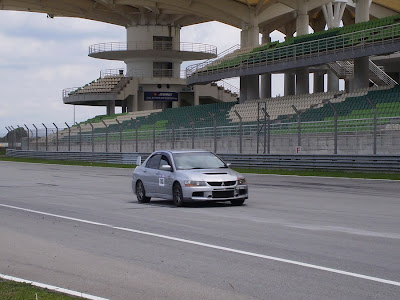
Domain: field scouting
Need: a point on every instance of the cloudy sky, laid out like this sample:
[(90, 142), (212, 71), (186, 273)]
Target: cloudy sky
[(39, 57)]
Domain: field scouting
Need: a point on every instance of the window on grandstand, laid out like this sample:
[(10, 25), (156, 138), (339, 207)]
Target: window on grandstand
[(162, 69), (162, 42)]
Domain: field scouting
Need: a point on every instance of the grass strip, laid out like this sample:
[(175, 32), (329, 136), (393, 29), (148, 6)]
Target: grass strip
[(10, 290), (66, 162), (321, 173)]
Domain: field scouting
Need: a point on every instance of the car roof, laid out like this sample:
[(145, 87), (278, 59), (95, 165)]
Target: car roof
[(173, 151)]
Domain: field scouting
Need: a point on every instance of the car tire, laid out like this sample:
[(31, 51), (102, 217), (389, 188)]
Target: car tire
[(177, 195), (141, 193), (237, 202)]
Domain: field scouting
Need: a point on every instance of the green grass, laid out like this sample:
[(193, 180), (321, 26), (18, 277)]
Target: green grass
[(66, 162), (322, 173), (10, 290)]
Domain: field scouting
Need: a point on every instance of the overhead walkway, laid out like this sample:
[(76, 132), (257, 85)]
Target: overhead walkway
[(381, 36)]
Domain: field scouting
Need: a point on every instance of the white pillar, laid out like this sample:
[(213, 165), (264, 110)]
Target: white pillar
[(302, 74), (196, 95), (249, 85), (361, 65), (266, 85), (333, 13)]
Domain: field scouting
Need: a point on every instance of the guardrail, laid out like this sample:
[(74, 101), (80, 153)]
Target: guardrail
[(370, 163)]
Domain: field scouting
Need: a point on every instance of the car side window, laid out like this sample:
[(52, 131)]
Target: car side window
[(164, 161), (154, 161)]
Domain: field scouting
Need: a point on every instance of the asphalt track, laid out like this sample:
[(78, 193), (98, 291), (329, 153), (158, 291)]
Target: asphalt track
[(81, 228)]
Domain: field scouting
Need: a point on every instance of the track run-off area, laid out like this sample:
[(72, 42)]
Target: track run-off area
[(81, 228)]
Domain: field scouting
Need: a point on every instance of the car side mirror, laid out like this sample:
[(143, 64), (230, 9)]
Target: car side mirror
[(228, 165), (166, 168), (138, 160)]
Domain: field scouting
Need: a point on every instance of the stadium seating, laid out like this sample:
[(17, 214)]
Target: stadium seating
[(101, 85), (304, 45)]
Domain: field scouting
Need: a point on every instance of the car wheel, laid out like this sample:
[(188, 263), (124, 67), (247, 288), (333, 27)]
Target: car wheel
[(141, 193), (177, 195), (237, 202)]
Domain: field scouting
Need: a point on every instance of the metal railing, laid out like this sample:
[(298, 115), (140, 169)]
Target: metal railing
[(309, 49), (156, 45)]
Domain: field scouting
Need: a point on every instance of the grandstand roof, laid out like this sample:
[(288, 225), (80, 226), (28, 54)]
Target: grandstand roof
[(179, 12)]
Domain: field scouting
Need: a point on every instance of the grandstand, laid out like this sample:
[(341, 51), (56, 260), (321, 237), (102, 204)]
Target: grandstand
[(154, 95)]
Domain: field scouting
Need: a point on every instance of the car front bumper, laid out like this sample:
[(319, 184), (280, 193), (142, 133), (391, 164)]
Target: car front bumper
[(212, 193)]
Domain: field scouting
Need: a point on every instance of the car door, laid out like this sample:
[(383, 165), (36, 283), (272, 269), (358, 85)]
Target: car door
[(165, 178), (150, 176)]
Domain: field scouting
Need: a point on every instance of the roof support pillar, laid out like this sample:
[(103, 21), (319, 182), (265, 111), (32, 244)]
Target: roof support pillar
[(266, 86), (250, 85), (361, 65), (333, 13), (302, 74)]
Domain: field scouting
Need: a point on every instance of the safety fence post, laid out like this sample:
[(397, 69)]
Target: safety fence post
[(27, 129), (37, 137), (56, 136), (105, 125), (69, 137), (47, 145), (335, 129), (215, 130), (375, 124), (80, 136), (91, 125), (298, 112), (240, 131), (267, 130), (192, 122), (120, 134)]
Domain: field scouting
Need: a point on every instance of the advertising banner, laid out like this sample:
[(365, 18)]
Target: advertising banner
[(160, 96)]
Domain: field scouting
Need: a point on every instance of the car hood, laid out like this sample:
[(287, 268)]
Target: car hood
[(212, 174)]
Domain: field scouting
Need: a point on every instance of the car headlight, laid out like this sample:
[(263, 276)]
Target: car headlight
[(241, 181), (194, 183)]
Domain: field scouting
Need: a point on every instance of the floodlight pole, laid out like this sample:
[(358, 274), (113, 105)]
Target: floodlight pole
[(56, 136), (28, 135), (240, 131), (37, 137), (104, 123), (375, 124), (298, 125), (69, 137)]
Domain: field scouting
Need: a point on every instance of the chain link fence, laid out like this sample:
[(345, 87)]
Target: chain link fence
[(348, 137)]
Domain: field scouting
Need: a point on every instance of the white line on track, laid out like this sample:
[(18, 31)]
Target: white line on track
[(52, 288), (267, 257)]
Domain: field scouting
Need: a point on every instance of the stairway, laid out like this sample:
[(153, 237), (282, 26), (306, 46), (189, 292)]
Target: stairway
[(345, 70)]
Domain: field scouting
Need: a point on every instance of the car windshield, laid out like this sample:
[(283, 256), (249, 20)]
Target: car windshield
[(197, 160)]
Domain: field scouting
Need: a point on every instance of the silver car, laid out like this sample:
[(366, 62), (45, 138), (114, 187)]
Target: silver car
[(188, 176)]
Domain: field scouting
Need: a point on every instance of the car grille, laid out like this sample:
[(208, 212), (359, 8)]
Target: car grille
[(223, 194), (223, 183)]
